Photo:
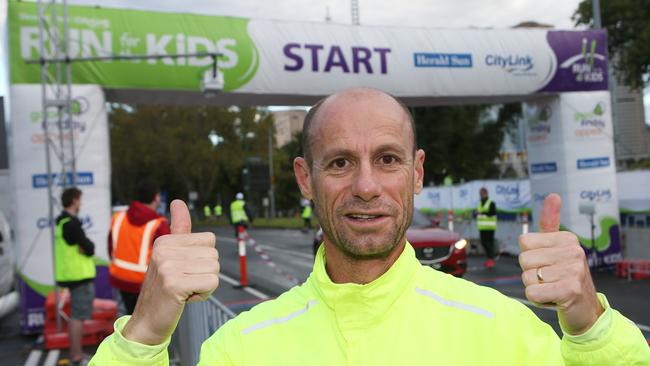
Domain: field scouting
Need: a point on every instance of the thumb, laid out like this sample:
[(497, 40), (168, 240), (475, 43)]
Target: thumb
[(550, 217), (181, 222)]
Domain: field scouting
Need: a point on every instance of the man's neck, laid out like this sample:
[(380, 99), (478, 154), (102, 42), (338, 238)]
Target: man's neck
[(343, 269), (70, 211), (151, 205)]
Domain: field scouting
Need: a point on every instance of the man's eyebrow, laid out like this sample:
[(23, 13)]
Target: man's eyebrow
[(399, 149), (337, 152)]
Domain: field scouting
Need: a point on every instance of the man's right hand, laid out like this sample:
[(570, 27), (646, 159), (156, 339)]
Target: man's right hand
[(184, 267)]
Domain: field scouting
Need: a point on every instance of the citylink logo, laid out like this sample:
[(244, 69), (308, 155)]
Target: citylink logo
[(583, 65), (433, 196), (596, 195), (518, 65)]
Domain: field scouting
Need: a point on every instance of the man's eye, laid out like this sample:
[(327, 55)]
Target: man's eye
[(388, 159), (340, 163)]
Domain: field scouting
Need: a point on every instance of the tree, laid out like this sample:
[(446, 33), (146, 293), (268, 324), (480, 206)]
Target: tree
[(287, 192), (628, 34), (463, 141), (170, 144)]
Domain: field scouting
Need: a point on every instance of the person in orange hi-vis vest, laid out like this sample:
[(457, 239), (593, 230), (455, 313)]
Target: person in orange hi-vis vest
[(130, 242)]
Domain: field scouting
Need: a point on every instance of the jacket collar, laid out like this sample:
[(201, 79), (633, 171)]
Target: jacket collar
[(355, 305)]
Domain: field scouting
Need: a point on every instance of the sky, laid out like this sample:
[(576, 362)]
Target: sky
[(418, 13)]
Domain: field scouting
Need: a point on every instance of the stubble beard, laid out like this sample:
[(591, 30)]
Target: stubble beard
[(360, 246)]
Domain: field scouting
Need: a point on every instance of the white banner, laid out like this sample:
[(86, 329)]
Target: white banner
[(510, 196), (571, 153), (634, 191), (29, 180)]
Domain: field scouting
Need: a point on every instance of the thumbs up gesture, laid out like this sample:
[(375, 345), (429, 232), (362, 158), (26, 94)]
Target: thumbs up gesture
[(184, 267), (555, 271)]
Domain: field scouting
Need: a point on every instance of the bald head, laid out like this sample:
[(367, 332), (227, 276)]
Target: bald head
[(357, 97)]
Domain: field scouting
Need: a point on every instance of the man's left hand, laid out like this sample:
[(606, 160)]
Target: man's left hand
[(555, 271)]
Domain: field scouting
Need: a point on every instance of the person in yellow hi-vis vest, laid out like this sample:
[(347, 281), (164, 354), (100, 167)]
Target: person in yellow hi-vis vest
[(306, 215), (75, 268), (218, 210), (368, 300), (207, 212), (239, 213), (486, 222)]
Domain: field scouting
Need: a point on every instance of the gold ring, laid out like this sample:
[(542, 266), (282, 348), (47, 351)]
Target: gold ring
[(540, 278)]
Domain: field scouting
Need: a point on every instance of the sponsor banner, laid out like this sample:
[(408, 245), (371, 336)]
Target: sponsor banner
[(633, 195), (541, 168), (593, 163), (581, 61), (442, 59), (29, 186), (297, 58), (580, 125), (509, 196)]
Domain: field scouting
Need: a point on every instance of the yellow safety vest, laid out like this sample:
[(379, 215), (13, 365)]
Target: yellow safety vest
[(306, 212), (483, 221), (71, 265), (237, 212)]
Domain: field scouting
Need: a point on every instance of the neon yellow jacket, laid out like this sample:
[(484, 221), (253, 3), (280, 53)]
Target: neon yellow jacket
[(412, 315)]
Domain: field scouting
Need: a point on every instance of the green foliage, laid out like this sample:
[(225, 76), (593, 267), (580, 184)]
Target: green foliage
[(170, 144), (628, 34), (463, 141), (288, 195)]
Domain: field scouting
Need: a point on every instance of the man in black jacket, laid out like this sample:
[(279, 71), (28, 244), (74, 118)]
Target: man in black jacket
[(75, 268)]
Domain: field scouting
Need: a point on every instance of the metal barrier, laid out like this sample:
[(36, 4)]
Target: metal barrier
[(198, 322)]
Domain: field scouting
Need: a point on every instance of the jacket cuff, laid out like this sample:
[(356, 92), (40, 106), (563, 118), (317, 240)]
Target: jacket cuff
[(130, 350), (598, 330)]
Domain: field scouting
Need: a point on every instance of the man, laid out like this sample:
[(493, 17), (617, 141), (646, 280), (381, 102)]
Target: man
[(75, 268), (486, 222), (368, 300), (239, 213), (306, 215), (130, 240), (206, 211), (218, 211)]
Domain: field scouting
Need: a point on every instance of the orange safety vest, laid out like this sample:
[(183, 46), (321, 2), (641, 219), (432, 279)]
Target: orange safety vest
[(131, 247)]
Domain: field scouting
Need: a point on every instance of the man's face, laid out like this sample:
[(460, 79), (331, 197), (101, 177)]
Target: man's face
[(363, 175), (483, 193), (76, 205)]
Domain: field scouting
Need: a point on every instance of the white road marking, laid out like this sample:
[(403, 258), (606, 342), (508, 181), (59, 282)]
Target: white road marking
[(288, 252), (33, 358), (52, 358), (252, 291)]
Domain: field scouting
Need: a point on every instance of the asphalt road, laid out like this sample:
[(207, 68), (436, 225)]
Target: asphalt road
[(291, 252)]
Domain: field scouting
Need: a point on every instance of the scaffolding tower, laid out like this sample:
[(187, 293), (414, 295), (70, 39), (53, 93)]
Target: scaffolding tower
[(57, 124)]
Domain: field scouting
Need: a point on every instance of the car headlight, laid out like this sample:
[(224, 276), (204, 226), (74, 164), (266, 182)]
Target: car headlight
[(459, 245)]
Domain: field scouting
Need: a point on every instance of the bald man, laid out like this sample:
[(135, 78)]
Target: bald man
[(368, 300)]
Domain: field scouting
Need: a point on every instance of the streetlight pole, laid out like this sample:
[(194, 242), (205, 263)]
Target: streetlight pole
[(271, 177), (595, 6)]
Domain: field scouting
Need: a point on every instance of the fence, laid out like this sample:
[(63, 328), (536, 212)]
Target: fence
[(198, 322)]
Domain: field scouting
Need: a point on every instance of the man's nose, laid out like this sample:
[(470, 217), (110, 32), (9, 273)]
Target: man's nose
[(366, 185)]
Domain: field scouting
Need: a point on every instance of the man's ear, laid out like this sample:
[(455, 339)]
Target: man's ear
[(302, 172), (418, 171)]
